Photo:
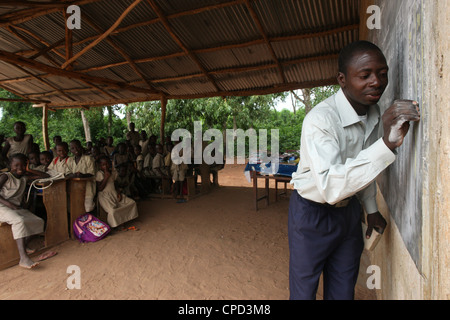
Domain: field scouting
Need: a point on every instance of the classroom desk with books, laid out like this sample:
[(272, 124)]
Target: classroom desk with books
[(284, 175)]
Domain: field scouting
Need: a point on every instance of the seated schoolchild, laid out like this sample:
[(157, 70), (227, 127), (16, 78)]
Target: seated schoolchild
[(56, 141), (148, 160), (108, 149), (88, 149), (118, 206), (139, 159), (158, 168), (178, 173), (140, 181), (45, 159), (125, 181), (95, 154), (21, 143), (121, 156), (59, 163), (3, 159), (82, 166), (23, 223), (33, 160)]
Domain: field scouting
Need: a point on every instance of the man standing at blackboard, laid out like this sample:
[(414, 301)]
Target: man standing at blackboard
[(344, 147)]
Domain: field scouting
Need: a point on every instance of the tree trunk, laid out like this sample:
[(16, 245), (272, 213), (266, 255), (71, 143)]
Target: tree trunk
[(128, 116), (87, 129), (293, 100), (307, 100), (110, 119)]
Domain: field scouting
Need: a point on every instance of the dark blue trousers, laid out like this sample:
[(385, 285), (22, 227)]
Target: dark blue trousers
[(324, 239)]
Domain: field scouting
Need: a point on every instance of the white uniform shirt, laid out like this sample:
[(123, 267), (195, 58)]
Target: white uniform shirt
[(340, 156)]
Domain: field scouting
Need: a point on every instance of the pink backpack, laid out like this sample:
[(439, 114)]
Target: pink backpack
[(88, 228)]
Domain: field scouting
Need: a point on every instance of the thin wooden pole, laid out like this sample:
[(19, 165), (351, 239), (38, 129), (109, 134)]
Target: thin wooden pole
[(163, 118), (45, 127)]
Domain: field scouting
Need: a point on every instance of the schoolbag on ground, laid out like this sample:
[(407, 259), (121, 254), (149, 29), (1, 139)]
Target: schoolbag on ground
[(88, 228)]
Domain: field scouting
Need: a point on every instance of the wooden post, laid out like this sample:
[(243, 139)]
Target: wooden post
[(163, 118), (363, 30), (45, 127), (68, 39)]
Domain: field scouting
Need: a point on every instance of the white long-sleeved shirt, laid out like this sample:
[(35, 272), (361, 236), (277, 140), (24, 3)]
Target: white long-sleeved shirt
[(340, 156)]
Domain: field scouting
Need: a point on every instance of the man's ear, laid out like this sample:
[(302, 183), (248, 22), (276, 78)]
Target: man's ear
[(341, 79)]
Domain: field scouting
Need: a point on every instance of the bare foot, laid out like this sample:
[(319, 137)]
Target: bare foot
[(27, 263)]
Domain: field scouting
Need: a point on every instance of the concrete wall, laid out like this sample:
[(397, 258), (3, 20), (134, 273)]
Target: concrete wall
[(413, 255)]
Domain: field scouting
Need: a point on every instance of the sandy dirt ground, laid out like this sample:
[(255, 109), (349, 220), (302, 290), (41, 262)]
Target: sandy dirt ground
[(215, 246)]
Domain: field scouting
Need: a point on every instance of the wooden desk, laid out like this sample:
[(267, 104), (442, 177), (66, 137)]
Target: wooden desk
[(255, 176), (77, 194), (55, 202), (56, 230)]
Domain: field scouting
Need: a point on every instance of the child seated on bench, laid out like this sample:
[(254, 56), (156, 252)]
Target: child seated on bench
[(23, 223), (59, 163), (119, 207), (82, 166)]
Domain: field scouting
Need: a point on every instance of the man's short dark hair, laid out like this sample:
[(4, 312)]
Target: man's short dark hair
[(352, 49)]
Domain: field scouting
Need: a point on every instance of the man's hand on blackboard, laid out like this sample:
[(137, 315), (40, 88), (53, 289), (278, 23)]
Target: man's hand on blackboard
[(377, 222), (396, 121)]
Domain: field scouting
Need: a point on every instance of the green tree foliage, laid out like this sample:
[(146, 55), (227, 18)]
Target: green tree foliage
[(257, 112)]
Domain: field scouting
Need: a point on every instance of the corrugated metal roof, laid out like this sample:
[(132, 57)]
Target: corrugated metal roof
[(189, 48)]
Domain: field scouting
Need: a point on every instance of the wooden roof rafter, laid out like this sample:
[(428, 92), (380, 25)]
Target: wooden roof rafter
[(188, 52), (169, 29), (148, 23), (15, 60), (258, 23), (123, 53), (28, 14)]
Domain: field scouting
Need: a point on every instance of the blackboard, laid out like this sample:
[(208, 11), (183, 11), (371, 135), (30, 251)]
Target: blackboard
[(401, 39)]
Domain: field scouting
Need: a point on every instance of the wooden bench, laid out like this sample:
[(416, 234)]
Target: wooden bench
[(9, 254)]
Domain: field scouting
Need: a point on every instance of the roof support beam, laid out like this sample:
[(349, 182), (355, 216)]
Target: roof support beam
[(15, 60), (47, 49), (166, 24), (123, 54), (69, 40), (249, 69), (266, 40), (24, 100), (103, 36), (33, 4), (21, 16), (227, 47), (40, 40), (263, 91), (31, 44), (45, 82)]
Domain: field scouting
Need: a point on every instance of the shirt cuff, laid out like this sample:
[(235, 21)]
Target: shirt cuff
[(380, 155), (371, 207)]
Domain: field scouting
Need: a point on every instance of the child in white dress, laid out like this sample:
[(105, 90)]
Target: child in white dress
[(119, 207)]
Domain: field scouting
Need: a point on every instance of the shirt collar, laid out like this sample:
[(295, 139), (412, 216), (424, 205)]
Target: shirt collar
[(349, 116)]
